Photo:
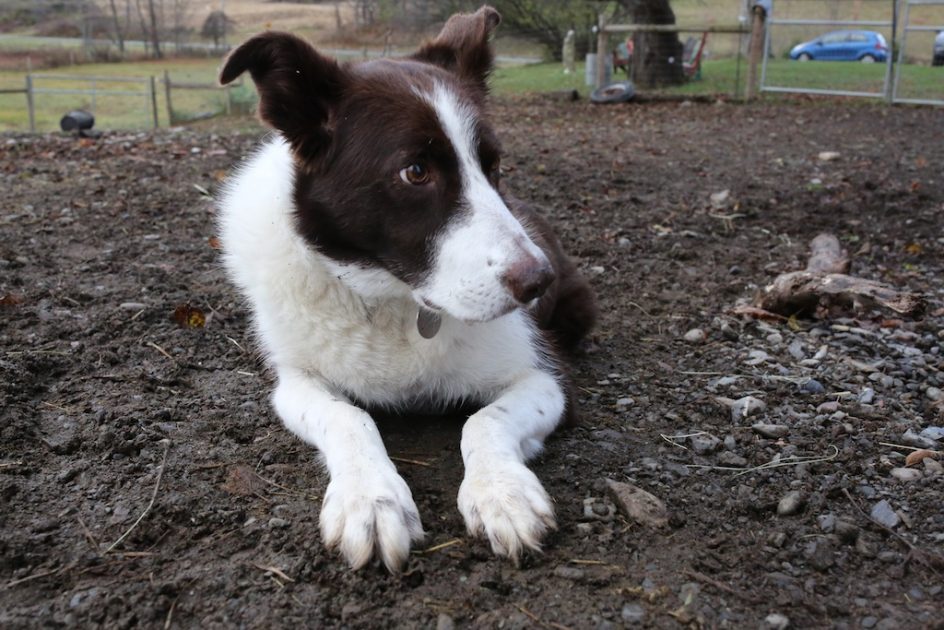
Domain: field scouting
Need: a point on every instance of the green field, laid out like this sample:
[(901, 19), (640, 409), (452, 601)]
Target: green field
[(133, 110)]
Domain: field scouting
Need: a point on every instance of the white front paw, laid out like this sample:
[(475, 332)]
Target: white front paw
[(505, 501), (368, 512)]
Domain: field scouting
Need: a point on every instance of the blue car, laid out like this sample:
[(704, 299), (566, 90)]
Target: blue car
[(864, 46)]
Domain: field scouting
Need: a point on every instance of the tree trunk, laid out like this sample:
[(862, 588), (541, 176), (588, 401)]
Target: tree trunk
[(155, 34), (657, 58), (119, 35)]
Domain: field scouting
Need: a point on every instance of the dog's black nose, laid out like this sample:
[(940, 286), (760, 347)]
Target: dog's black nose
[(528, 278)]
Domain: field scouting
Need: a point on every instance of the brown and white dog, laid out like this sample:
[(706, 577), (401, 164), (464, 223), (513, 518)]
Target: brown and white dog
[(386, 267)]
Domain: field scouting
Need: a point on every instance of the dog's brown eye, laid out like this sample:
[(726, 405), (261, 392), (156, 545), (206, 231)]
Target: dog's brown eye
[(416, 174)]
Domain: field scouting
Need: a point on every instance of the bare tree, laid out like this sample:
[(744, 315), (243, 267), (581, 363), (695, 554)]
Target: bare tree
[(215, 27), (154, 30), (658, 57), (119, 31)]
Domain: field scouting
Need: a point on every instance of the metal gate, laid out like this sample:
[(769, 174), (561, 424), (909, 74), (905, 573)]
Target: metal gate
[(916, 93), (905, 75)]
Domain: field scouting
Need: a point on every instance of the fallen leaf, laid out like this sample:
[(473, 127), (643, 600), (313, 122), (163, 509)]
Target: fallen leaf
[(241, 481), (10, 299), (215, 243), (187, 316), (916, 457), (914, 248)]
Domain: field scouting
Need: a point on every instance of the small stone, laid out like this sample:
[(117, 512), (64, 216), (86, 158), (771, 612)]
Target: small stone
[(703, 444), (132, 306), (720, 199), (827, 522), (445, 622), (846, 530), (828, 156), (776, 621), (638, 505), (633, 614), (933, 433), (812, 386), (934, 393), (772, 431), (277, 523), (906, 474), (883, 514), (828, 407), (728, 458), (866, 396), (791, 503), (796, 350), (774, 339), (695, 335), (932, 466), (747, 406), (625, 402), (868, 622), (911, 438), (570, 573), (756, 357)]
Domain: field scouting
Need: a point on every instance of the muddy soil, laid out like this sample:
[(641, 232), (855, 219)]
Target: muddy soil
[(103, 394)]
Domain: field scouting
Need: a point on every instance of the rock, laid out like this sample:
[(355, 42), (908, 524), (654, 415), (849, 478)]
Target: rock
[(704, 444), (796, 350), (906, 474), (932, 466), (772, 431), (633, 614), (625, 402), (911, 438), (445, 622), (828, 407), (570, 573), (883, 514), (933, 433), (846, 530), (820, 554), (747, 406), (868, 622), (934, 393), (695, 335), (277, 523), (791, 503), (812, 386), (828, 156), (776, 621), (132, 306), (866, 396), (827, 522), (720, 199), (638, 505), (756, 357), (727, 458)]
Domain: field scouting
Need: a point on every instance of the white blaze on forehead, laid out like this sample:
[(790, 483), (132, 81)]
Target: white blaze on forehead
[(484, 240)]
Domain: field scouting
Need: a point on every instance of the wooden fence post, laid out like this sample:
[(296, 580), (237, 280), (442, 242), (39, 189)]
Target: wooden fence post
[(153, 85), (167, 99), (757, 51), (29, 102), (602, 46)]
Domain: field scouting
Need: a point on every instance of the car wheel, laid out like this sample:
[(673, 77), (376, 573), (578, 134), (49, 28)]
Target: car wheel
[(804, 57), (938, 61), (618, 92), (867, 59)]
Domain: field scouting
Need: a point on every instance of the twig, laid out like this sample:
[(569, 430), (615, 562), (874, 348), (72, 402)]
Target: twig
[(235, 343), (409, 461), (170, 615), (910, 448), (9, 464), (792, 462), (88, 535), (669, 438), (440, 546), (275, 570), (162, 351), (157, 485), (701, 577)]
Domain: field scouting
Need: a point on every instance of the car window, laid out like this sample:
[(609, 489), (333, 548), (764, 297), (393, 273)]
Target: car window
[(858, 37), (834, 38)]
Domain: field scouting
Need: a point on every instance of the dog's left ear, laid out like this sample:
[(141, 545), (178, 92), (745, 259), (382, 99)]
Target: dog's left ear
[(299, 88), (462, 45)]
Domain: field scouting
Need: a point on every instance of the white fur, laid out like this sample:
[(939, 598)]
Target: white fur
[(336, 333)]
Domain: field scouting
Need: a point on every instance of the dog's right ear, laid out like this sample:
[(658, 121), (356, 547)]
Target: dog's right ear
[(298, 87)]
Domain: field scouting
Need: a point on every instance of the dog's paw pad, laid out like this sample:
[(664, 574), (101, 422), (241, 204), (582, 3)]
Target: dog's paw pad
[(507, 504), (363, 516)]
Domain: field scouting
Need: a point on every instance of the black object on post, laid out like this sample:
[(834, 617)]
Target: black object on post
[(77, 120)]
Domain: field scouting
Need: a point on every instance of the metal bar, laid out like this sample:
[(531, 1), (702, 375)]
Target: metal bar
[(901, 53), (919, 101), (926, 2), (30, 102), (889, 61), (771, 88), (88, 92), (924, 29), (763, 64), (673, 28), (77, 77), (153, 91), (14, 91), (828, 22)]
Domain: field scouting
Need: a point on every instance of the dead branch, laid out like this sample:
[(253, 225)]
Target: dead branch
[(825, 283)]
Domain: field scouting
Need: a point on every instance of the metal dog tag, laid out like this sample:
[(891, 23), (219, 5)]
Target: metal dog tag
[(427, 323)]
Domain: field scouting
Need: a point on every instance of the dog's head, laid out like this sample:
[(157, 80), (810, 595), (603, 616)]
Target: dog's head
[(397, 169)]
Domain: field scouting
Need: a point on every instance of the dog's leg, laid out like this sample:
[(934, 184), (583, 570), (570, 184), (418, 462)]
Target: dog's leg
[(500, 497), (367, 506)]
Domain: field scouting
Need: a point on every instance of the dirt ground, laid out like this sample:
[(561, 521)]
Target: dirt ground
[(103, 394)]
